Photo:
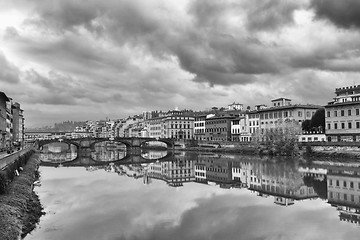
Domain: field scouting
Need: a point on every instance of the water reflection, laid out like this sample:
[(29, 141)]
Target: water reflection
[(58, 152), (344, 192), (108, 151), (204, 196)]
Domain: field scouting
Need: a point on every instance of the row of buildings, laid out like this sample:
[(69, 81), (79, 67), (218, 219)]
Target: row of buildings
[(234, 123), (227, 124), (11, 122)]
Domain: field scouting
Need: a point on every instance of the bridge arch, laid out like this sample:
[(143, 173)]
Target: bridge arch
[(119, 140), (169, 142), (67, 141)]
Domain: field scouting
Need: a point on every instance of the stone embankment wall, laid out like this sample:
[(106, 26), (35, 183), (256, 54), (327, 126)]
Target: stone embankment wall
[(20, 208), (342, 151)]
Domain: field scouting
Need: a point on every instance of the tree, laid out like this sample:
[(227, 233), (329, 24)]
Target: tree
[(280, 140), (306, 125), (318, 120)]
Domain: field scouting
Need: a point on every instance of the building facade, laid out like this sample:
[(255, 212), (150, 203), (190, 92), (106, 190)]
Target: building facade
[(282, 110), (218, 128), (240, 131), (342, 115)]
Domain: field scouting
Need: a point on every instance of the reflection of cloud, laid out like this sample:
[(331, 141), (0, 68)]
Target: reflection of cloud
[(97, 205)]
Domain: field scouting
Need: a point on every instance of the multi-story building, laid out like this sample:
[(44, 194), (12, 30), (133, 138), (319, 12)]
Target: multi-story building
[(199, 126), (281, 110), (155, 127), (18, 123), (240, 130), (342, 115), (235, 106), (3, 116), (172, 126), (218, 128), (254, 122), (9, 123)]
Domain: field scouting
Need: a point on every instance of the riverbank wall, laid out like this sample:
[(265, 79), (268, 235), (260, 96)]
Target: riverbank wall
[(20, 208)]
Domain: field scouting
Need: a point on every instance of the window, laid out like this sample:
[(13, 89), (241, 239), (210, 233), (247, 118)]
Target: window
[(338, 184), (330, 182), (351, 184), (349, 112), (357, 111), (335, 113), (343, 125), (335, 125), (329, 126), (357, 124), (342, 113), (344, 184), (349, 125), (300, 114), (328, 114)]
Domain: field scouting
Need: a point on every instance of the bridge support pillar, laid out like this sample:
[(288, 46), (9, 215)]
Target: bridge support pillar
[(84, 152), (133, 151)]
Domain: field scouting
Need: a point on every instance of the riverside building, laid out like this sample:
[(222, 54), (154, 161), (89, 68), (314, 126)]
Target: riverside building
[(282, 109), (342, 115)]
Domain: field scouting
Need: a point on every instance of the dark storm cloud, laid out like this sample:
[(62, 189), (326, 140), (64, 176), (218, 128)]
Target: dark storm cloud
[(213, 56), (344, 13), (9, 73)]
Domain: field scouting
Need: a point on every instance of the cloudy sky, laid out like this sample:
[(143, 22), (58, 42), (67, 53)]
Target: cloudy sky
[(79, 60)]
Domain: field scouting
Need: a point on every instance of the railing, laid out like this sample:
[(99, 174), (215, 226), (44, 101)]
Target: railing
[(5, 161)]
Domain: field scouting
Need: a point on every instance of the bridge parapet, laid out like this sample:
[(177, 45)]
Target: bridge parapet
[(90, 142)]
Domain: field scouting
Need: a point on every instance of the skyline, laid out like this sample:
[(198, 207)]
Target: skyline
[(67, 60)]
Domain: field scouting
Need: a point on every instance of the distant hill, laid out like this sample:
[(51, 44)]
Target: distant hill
[(66, 126)]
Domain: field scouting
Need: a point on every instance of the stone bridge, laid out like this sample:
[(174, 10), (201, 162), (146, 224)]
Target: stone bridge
[(129, 142)]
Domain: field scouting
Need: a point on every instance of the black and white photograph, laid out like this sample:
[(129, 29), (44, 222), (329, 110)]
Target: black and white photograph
[(179, 119)]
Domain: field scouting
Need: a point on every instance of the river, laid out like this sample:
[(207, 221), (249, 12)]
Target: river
[(199, 196)]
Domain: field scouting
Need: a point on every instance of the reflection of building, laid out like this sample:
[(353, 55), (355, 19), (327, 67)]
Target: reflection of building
[(316, 173), (282, 181), (283, 201), (344, 192), (241, 172), (215, 169), (154, 154), (174, 172)]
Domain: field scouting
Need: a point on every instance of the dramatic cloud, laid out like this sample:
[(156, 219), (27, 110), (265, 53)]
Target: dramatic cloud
[(345, 13), (118, 58), (8, 73)]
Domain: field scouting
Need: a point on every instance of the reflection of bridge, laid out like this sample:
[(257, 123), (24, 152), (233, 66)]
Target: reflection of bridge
[(128, 159), (85, 145)]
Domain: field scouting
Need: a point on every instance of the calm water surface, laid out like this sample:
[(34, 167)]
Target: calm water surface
[(197, 196)]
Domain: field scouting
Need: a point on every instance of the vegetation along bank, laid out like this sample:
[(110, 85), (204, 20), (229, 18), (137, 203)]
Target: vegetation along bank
[(20, 208)]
